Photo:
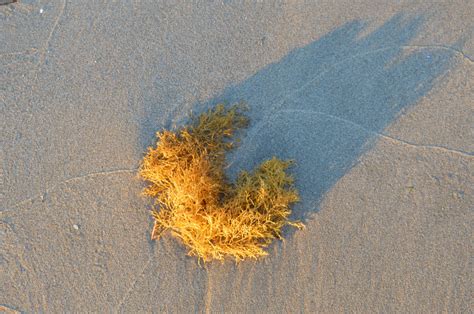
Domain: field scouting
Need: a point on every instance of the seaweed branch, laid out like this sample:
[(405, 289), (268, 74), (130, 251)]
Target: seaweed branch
[(197, 203)]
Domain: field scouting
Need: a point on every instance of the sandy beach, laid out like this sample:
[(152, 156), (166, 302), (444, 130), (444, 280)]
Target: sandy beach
[(372, 99)]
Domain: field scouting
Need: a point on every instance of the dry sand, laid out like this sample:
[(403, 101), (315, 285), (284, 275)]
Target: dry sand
[(373, 99)]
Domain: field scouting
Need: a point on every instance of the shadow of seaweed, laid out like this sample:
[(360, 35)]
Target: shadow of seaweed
[(324, 103)]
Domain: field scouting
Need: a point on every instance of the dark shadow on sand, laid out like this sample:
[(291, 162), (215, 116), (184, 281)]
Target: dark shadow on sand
[(323, 104)]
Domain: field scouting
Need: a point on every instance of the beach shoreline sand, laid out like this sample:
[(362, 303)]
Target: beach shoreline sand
[(372, 100)]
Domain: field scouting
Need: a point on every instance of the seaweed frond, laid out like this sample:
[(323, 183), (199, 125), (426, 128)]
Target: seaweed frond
[(213, 217)]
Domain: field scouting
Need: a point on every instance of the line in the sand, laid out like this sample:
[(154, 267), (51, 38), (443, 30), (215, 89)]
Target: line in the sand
[(288, 96), (48, 190)]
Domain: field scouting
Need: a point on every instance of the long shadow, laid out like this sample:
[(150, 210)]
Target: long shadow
[(323, 104)]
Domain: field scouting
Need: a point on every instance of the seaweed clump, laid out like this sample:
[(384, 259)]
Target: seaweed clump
[(194, 199)]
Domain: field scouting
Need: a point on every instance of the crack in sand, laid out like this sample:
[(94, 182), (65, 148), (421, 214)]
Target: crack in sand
[(356, 125), (453, 49), (382, 135), (333, 66), (208, 295), (52, 188), (288, 96), (44, 50), (133, 284), (19, 53), (30, 270)]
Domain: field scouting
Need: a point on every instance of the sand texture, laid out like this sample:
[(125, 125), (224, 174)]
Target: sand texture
[(373, 99)]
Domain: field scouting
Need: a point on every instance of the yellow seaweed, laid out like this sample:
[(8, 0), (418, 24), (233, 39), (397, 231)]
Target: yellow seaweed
[(194, 199)]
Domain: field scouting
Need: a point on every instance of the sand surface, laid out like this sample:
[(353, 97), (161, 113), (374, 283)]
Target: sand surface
[(374, 100)]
